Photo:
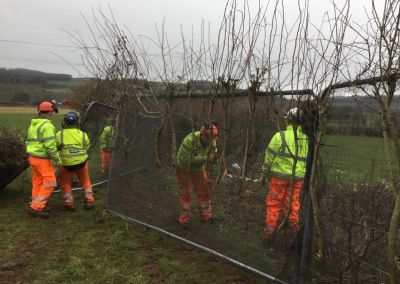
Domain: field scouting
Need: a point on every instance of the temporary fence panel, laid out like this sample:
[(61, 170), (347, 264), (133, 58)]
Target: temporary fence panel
[(143, 191), (95, 119), (353, 195), (354, 202)]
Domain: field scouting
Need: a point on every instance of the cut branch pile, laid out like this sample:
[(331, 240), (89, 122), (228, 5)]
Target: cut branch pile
[(12, 149)]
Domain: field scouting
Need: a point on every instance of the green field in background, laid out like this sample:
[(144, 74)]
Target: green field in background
[(354, 158), (21, 121)]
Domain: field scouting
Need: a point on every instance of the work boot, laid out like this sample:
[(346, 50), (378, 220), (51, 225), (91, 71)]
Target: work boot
[(186, 226), (89, 206), (41, 213), (69, 207), (211, 220)]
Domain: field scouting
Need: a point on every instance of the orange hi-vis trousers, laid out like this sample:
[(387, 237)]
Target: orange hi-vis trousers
[(84, 182), (43, 181), (277, 200), (105, 161), (198, 180)]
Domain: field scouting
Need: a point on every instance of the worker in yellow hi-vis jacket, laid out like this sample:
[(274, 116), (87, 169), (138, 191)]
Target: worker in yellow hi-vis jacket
[(285, 166), (41, 150), (73, 145)]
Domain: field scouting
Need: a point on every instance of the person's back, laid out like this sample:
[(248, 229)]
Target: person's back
[(285, 166), (73, 145), (286, 148), (40, 139), (41, 150)]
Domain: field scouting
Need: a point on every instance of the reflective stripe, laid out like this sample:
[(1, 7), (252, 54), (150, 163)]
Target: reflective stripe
[(73, 155), (53, 154), (38, 139), (48, 138), (38, 155), (186, 206), (285, 175), (36, 203), (49, 185), (83, 140), (41, 198), (88, 190), (282, 153), (204, 206), (272, 151), (74, 148), (68, 195), (289, 156)]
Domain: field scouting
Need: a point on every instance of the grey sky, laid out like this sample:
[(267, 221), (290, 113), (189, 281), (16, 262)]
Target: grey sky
[(32, 31)]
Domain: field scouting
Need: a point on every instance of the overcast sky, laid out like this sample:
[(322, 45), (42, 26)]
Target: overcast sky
[(32, 32)]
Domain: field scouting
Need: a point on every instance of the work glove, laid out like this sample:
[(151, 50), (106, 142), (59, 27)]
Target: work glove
[(59, 147), (57, 162)]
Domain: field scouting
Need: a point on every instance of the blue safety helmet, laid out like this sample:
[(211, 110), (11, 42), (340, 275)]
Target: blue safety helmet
[(71, 119)]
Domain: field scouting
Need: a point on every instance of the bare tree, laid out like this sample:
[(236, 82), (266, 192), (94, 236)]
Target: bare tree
[(379, 64)]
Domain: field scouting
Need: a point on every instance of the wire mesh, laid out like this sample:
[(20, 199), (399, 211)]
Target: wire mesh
[(93, 121), (353, 198)]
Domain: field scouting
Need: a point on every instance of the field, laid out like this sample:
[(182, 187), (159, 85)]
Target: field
[(33, 93), (89, 247), (354, 158)]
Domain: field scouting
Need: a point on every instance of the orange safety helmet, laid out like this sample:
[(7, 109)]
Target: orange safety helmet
[(47, 107), (211, 131)]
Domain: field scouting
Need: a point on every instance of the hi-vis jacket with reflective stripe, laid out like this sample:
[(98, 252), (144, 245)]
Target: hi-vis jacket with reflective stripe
[(192, 155), (281, 154), (41, 140), (73, 145), (106, 138)]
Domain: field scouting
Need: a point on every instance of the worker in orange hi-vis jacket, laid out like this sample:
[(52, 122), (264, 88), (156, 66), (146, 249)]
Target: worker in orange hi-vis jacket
[(191, 158), (41, 150), (285, 166), (106, 144), (73, 144)]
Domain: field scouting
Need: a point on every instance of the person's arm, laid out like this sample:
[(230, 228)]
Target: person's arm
[(270, 154), (50, 144), (58, 141), (102, 140)]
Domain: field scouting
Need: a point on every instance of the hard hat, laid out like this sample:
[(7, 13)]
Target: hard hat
[(71, 118), (211, 131), (294, 114), (47, 107)]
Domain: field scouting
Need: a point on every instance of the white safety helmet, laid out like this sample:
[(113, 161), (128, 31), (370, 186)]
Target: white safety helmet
[(294, 115)]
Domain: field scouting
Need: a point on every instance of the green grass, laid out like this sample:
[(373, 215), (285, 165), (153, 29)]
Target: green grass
[(354, 158), (87, 247)]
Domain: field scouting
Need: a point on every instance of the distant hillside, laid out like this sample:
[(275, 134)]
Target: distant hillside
[(363, 103), (25, 76)]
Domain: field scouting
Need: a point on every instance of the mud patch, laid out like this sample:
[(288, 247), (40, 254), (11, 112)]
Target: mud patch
[(151, 266), (12, 270)]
